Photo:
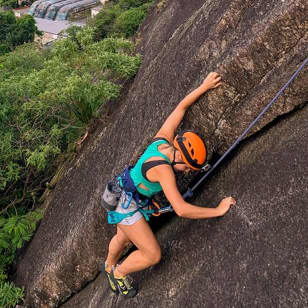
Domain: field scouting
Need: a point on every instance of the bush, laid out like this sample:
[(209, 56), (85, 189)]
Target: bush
[(47, 100), (15, 230), (48, 97), (104, 21), (128, 22), (14, 32), (128, 4), (121, 19), (4, 48), (11, 4), (10, 295)]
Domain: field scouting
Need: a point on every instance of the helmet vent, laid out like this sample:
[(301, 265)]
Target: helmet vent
[(192, 149)]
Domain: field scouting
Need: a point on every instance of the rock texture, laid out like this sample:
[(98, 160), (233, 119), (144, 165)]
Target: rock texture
[(256, 45), (255, 256)]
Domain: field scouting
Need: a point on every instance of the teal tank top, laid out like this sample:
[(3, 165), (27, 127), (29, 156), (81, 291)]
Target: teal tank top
[(136, 171)]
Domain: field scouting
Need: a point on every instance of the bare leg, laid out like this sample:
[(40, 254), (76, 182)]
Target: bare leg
[(148, 251), (116, 247)]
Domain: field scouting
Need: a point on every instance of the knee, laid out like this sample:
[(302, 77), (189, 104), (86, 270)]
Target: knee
[(154, 256)]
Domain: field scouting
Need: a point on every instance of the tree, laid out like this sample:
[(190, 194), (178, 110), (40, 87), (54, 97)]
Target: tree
[(120, 18), (7, 22), (47, 99), (14, 32), (9, 4)]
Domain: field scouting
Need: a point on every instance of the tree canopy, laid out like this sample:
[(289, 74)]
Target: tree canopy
[(15, 31), (47, 99), (120, 18)]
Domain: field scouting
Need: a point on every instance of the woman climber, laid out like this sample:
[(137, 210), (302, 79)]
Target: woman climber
[(154, 172)]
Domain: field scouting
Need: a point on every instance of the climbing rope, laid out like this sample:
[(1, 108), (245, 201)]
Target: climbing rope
[(189, 192)]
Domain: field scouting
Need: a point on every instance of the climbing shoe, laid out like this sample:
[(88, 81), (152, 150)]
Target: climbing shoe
[(125, 287), (103, 269)]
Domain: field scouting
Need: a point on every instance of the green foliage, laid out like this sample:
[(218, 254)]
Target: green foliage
[(25, 30), (10, 295), (47, 100), (7, 22), (15, 31), (14, 3), (15, 230), (128, 4), (128, 22), (104, 21), (120, 19)]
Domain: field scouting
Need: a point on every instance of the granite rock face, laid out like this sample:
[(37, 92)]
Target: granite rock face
[(256, 46), (255, 256)]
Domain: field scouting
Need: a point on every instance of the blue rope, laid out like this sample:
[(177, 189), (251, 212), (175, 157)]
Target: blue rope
[(251, 125), (189, 192)]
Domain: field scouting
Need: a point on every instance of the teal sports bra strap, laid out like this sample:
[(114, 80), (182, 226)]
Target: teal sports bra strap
[(136, 172), (152, 150)]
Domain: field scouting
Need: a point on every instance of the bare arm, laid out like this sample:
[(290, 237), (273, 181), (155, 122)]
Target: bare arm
[(182, 208), (171, 124)]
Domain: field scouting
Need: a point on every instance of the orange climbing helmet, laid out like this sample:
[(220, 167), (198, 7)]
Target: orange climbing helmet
[(192, 149)]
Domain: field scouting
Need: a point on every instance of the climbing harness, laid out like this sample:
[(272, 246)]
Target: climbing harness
[(189, 192), (122, 189)]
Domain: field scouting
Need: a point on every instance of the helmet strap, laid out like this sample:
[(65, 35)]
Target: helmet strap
[(173, 163)]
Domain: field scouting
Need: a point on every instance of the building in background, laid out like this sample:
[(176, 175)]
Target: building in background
[(53, 30), (51, 16), (64, 9), (22, 11)]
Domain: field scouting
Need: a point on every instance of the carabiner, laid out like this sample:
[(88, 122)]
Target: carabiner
[(126, 203), (156, 207)]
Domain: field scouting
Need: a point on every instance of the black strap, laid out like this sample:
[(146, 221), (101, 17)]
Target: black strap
[(150, 164), (191, 161), (159, 138), (127, 184)]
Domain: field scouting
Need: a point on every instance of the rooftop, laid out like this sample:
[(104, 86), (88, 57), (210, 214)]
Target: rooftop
[(54, 27)]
